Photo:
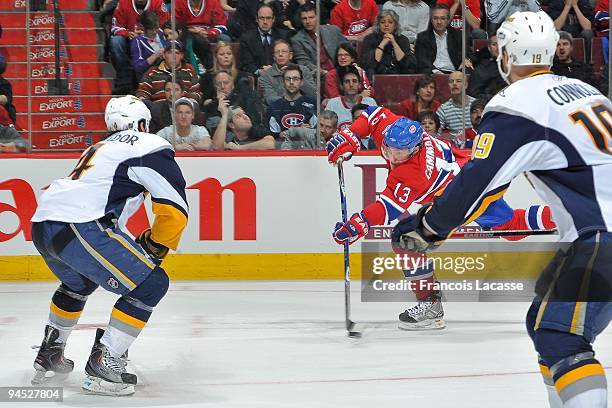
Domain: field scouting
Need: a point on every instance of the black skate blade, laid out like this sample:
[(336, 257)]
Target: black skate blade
[(129, 378), (354, 330)]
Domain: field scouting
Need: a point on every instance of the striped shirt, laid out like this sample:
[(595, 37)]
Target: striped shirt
[(151, 86), (450, 115)]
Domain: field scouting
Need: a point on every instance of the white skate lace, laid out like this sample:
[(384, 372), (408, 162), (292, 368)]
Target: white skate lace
[(420, 307), (117, 365)]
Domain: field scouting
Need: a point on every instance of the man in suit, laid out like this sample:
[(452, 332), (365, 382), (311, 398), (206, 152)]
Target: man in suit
[(256, 45), (304, 41), (438, 49)]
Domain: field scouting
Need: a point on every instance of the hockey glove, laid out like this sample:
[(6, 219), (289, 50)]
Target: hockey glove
[(356, 227), (408, 233), (157, 252), (342, 145)]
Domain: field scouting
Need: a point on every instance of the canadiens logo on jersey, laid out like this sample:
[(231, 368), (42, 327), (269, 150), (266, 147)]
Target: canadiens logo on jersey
[(357, 27), (292, 120)]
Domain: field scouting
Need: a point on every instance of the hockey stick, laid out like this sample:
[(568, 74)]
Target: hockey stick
[(351, 327), (501, 233)]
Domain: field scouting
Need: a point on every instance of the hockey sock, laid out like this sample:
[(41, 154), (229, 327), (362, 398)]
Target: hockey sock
[(132, 311), (553, 396), (580, 381), (423, 288), (128, 318), (421, 277), (534, 218), (65, 309)]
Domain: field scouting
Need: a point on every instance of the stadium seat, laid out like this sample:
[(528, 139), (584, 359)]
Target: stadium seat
[(578, 51), (597, 54)]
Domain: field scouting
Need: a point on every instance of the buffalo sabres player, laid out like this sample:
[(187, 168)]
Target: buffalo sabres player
[(420, 166), (79, 227), (558, 129)]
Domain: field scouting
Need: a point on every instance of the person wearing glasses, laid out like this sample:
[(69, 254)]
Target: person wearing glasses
[(294, 109), (271, 83), (256, 45)]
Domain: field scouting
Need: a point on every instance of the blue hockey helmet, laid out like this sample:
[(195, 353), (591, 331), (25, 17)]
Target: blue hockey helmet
[(404, 134)]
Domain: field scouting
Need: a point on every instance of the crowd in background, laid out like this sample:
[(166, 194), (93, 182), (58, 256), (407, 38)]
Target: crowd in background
[(245, 74)]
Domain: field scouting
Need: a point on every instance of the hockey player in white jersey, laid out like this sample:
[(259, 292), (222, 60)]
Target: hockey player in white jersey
[(79, 229), (559, 130)]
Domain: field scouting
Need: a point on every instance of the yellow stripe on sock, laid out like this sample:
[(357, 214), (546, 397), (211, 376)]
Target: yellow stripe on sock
[(545, 371), (578, 374), (127, 319), (64, 314)]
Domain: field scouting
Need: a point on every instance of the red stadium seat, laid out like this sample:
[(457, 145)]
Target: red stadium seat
[(578, 53), (597, 54)]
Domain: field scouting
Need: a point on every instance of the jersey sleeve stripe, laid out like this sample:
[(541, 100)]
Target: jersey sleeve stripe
[(392, 209), (485, 201)]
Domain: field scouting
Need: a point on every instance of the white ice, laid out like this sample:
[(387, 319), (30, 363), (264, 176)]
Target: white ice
[(283, 344)]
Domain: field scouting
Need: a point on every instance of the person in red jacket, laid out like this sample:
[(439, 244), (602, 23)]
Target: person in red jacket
[(125, 28), (355, 18), (205, 19)]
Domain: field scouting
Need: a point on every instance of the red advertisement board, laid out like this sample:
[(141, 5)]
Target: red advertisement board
[(47, 20), (46, 70), (46, 36), (75, 86), (68, 122), (46, 53), (64, 103)]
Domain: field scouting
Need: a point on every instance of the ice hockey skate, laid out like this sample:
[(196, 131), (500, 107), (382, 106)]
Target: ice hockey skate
[(106, 374), (50, 357), (426, 315)]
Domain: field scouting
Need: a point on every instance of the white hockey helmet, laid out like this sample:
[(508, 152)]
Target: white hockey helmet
[(529, 39), (126, 112)]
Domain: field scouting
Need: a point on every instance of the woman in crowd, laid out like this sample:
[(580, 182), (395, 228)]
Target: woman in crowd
[(186, 136), (224, 60), (386, 51), (346, 55), (425, 93)]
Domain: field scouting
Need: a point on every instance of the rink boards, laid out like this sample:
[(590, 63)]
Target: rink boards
[(251, 217)]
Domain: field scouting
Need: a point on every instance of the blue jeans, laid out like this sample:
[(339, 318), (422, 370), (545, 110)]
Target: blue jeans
[(121, 61)]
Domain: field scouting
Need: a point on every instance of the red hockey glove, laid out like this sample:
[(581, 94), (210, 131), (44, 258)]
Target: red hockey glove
[(342, 144), (356, 227)]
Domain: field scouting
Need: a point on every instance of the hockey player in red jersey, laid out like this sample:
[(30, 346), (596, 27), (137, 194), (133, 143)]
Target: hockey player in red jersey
[(420, 166)]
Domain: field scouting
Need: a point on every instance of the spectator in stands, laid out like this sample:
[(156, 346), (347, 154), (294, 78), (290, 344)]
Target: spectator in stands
[(151, 87), (565, 65), (472, 17), (243, 97), (271, 83), (197, 49), (205, 20), (345, 56), (11, 141), (486, 81), (147, 48), (245, 18), (294, 108), (576, 17), (355, 18), (425, 93), (186, 136), (305, 138), (386, 51), (236, 131), (454, 114), (8, 113), (342, 105), (304, 42), (430, 122), (123, 30), (413, 16), (602, 18), (438, 50), (161, 111), (367, 143), (224, 60), (476, 109), (256, 53), (498, 10)]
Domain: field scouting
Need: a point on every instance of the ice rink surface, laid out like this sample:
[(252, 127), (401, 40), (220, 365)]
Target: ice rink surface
[(283, 344)]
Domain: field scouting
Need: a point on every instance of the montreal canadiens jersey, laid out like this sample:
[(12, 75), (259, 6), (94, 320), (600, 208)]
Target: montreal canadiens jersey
[(417, 180), (556, 128), (113, 177)]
